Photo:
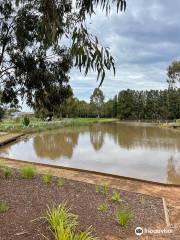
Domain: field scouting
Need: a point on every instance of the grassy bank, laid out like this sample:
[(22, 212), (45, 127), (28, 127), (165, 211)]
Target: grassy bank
[(37, 125)]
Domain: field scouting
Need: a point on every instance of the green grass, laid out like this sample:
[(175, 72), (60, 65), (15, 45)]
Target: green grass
[(63, 224), (28, 172), (7, 172), (104, 189), (116, 197), (61, 182), (4, 207), (37, 125), (123, 217), (103, 207), (47, 178)]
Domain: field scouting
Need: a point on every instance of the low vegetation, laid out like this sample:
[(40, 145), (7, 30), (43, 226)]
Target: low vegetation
[(102, 189), (39, 125), (4, 207), (124, 216), (116, 197), (7, 172), (47, 178), (64, 223), (28, 172), (103, 207)]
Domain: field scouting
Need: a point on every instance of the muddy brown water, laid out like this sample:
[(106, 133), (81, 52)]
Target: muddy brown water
[(126, 149)]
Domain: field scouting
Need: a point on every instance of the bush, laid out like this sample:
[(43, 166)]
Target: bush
[(28, 172), (26, 121)]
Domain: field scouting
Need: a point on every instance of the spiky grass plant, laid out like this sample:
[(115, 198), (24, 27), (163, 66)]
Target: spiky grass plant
[(116, 197), (47, 178), (103, 207), (7, 172), (124, 216), (63, 224), (4, 207), (28, 172)]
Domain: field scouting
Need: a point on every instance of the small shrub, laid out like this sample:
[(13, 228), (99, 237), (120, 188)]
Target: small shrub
[(102, 189), (47, 178), (123, 216), (4, 207), (61, 216), (116, 197), (7, 172), (61, 182), (63, 224), (103, 207), (28, 172), (26, 121)]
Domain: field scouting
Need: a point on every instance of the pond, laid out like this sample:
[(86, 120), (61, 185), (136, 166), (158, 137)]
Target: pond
[(125, 149)]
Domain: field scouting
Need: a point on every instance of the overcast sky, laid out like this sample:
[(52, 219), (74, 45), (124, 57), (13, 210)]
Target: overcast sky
[(144, 41)]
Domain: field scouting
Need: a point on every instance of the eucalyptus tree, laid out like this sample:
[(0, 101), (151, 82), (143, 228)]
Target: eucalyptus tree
[(41, 40)]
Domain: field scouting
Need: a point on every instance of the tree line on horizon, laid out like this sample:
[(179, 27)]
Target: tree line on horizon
[(156, 105)]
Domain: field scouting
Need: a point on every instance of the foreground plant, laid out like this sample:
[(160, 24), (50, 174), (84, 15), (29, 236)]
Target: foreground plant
[(7, 172), (116, 197), (102, 189), (124, 216), (4, 207), (63, 224), (28, 172), (103, 207), (47, 178)]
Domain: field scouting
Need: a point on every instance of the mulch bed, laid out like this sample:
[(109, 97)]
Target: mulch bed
[(28, 200)]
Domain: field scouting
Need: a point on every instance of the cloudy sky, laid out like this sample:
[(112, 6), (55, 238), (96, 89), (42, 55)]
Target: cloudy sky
[(144, 41)]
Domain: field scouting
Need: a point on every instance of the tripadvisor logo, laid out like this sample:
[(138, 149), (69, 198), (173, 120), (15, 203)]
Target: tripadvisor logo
[(139, 231)]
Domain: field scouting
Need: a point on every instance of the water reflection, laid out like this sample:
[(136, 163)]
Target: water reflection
[(96, 137), (54, 146), (132, 150), (173, 172)]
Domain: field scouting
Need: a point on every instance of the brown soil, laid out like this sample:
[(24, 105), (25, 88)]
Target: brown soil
[(28, 200), (9, 137)]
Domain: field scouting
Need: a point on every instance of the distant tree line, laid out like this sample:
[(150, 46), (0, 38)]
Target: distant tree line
[(129, 104)]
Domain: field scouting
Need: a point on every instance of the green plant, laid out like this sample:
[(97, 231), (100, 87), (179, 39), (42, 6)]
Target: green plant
[(26, 121), (102, 189), (61, 182), (47, 178), (123, 216), (103, 207), (4, 207), (116, 197), (63, 224), (28, 172), (7, 172)]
